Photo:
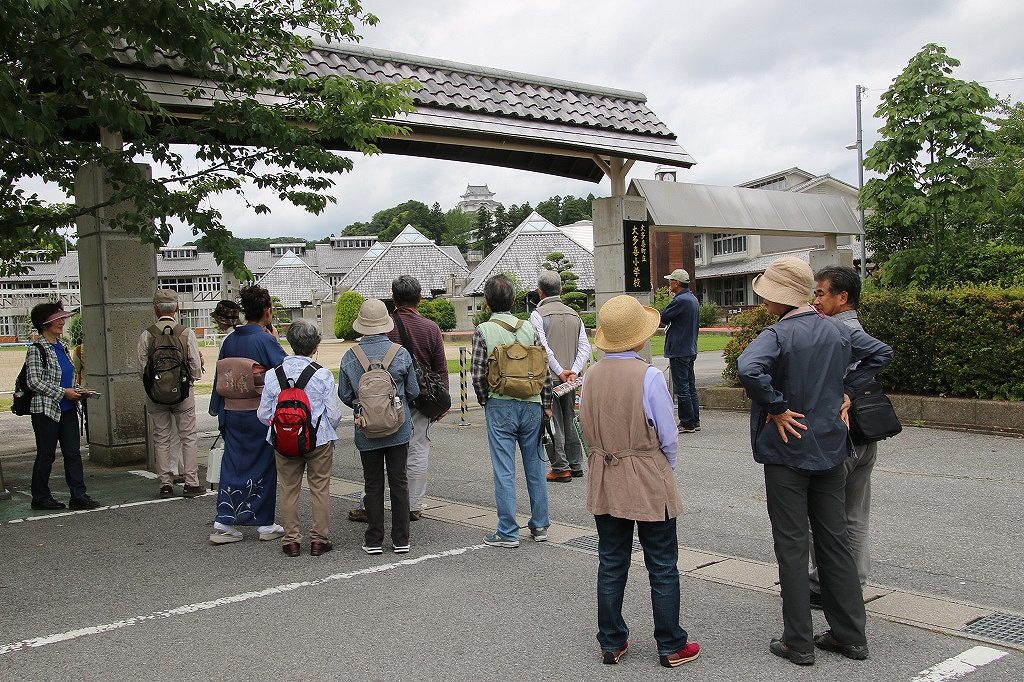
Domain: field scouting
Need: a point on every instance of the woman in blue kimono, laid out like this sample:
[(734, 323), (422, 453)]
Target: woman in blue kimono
[(248, 476)]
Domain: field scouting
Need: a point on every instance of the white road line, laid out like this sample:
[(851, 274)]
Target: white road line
[(36, 642), (145, 474), (60, 515), (959, 666)]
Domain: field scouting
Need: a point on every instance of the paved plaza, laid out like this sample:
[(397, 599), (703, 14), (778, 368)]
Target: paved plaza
[(136, 591)]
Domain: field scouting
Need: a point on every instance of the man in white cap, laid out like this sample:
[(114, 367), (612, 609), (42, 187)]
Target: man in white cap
[(181, 415), (626, 412), (795, 373), (682, 320)]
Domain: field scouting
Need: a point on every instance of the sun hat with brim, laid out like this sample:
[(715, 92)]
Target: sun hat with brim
[(788, 281), (623, 323), (373, 318), (59, 315)]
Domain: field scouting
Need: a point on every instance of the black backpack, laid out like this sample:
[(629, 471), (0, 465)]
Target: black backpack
[(22, 404), (166, 376)]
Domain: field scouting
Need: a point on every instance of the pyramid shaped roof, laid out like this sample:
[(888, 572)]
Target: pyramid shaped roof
[(523, 251), (411, 253), (293, 281)]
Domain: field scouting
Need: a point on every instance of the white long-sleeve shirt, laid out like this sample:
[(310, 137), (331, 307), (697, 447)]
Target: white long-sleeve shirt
[(322, 391), (582, 347)]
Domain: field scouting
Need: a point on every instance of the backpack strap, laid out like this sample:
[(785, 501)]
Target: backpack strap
[(390, 356), (42, 352), (282, 379), (178, 330), (361, 357), (507, 326), (307, 373)]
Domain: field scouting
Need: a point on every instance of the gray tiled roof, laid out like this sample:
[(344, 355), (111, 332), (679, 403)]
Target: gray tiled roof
[(331, 261), (260, 262), (526, 248), (456, 255), (204, 264), (459, 99), (757, 265), (369, 256), (293, 281), (410, 254)]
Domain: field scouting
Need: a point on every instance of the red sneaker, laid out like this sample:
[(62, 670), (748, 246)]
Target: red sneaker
[(684, 655)]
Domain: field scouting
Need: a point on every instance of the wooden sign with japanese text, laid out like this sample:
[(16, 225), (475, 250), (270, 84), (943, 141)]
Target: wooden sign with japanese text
[(637, 255)]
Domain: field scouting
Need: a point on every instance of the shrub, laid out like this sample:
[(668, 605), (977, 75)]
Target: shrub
[(577, 300), (998, 265), (748, 325), (346, 311), (966, 342), (441, 311), (482, 316), (74, 329), (709, 313), (662, 298), (589, 320)]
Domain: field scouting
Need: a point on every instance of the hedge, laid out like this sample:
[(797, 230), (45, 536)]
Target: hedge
[(965, 343), (441, 311), (345, 313)]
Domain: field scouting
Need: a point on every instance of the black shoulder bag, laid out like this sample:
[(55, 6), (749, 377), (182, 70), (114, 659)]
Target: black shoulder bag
[(872, 417), (434, 399)]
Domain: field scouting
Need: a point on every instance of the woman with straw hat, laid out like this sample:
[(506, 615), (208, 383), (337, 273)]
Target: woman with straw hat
[(795, 373), (628, 421)]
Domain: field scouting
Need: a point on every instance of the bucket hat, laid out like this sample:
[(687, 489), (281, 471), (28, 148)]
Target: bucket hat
[(623, 323), (788, 281), (373, 318)]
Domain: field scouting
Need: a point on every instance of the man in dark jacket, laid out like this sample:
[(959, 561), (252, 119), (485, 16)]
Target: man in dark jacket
[(795, 373), (682, 319)]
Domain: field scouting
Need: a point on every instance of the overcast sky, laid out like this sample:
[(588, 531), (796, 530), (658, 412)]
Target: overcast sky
[(749, 87)]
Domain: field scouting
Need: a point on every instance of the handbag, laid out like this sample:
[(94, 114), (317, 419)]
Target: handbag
[(872, 416), (434, 399)]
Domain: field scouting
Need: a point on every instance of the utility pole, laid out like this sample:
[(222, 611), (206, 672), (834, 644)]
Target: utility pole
[(860, 187)]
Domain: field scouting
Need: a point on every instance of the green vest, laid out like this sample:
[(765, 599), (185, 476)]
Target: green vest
[(494, 335)]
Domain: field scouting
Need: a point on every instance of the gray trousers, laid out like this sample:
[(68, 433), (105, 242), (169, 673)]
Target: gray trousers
[(800, 500), (416, 466), (567, 453), (858, 510)]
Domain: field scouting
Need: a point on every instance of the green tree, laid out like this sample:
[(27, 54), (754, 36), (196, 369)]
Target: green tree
[(574, 209), (935, 127), (434, 224), (517, 214), (1004, 222), (458, 229), (60, 85), (441, 311), (388, 222), (281, 315), (484, 231), (551, 209), (346, 310), (572, 297)]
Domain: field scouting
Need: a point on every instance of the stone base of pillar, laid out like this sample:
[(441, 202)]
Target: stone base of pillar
[(118, 455)]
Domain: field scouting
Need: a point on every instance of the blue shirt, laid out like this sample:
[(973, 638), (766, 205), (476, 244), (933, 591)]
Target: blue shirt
[(682, 315), (376, 347), (67, 374), (658, 405)]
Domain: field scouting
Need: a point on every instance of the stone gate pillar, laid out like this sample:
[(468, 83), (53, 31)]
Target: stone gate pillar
[(118, 278)]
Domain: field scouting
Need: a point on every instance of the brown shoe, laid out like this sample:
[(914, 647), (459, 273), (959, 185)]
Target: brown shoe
[(320, 548), (562, 476), (193, 491), (292, 549), (357, 515)]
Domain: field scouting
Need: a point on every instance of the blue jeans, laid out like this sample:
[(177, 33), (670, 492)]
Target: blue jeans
[(510, 422), (684, 383), (661, 552)]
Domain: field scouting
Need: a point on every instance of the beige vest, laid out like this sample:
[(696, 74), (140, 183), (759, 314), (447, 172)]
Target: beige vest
[(562, 330), (629, 477)]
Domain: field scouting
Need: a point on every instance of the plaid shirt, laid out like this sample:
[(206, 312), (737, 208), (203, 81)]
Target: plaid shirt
[(43, 379), (479, 368)]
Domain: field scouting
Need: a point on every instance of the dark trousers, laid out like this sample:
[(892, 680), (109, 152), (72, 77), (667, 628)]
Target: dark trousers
[(684, 385), (661, 554), (48, 434), (396, 457), (796, 498)]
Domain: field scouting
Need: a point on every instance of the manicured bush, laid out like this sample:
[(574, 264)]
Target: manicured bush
[(709, 313), (577, 300), (748, 325), (441, 311), (964, 343), (999, 265), (589, 320), (346, 311)]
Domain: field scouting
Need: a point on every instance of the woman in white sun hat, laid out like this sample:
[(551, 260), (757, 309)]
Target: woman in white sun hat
[(795, 375)]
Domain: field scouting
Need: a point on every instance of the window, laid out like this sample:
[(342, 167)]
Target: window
[(698, 247), (9, 326), (179, 254), (187, 285), (724, 244), (729, 291)]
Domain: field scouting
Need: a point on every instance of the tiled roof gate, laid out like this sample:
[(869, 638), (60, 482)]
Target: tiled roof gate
[(474, 113)]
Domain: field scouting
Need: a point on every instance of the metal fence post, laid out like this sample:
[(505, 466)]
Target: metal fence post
[(462, 386), (5, 494)]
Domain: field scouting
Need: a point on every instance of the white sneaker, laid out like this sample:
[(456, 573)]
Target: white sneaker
[(373, 550), (271, 532), (223, 537), (401, 549)]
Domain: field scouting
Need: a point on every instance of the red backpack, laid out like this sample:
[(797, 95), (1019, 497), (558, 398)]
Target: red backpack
[(292, 431)]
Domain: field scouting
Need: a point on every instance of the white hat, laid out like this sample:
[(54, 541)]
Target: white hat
[(373, 318)]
